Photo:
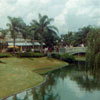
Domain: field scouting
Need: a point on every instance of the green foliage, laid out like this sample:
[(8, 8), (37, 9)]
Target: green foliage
[(43, 30), (28, 50), (93, 50), (55, 55), (68, 58), (4, 55), (65, 57), (4, 32), (97, 61), (15, 25), (77, 38), (68, 38), (30, 54)]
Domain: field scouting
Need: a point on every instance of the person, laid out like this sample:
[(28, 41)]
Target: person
[(71, 46), (57, 49), (82, 45), (46, 50), (50, 49), (32, 50)]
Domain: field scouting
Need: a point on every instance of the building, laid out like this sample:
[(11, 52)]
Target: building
[(22, 44)]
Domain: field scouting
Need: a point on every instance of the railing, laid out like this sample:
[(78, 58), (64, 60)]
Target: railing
[(72, 50)]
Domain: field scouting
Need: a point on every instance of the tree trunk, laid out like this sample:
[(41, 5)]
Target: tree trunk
[(41, 46), (25, 45), (41, 41), (33, 45), (14, 45)]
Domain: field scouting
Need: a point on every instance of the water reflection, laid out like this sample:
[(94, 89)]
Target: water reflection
[(70, 83)]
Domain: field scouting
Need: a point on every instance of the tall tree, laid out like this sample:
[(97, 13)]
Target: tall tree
[(43, 27), (31, 34), (77, 38), (24, 30), (68, 38), (81, 36), (14, 28), (93, 51)]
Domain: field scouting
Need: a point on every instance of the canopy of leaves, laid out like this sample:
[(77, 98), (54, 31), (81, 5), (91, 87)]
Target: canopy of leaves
[(14, 25), (43, 30), (77, 38), (93, 52)]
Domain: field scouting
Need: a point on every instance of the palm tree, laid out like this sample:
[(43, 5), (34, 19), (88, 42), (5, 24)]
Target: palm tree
[(23, 28), (14, 28), (31, 34), (42, 27)]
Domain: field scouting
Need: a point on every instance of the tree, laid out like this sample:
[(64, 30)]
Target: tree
[(93, 51), (50, 40), (23, 29), (31, 35), (68, 38), (42, 27), (14, 28), (81, 36), (3, 35)]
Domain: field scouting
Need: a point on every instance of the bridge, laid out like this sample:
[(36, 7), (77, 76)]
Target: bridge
[(72, 50)]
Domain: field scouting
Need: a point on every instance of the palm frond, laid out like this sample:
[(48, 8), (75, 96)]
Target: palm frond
[(53, 28), (34, 22), (43, 19), (46, 23), (40, 16)]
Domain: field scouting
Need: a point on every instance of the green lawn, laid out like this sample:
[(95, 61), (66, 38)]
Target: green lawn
[(18, 74)]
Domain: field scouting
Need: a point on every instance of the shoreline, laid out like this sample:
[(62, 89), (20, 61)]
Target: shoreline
[(49, 69), (39, 84)]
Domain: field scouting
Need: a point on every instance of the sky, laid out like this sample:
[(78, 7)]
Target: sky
[(69, 15)]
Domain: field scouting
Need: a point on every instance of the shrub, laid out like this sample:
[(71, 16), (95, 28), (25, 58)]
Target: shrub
[(68, 58), (64, 57), (30, 54), (97, 61), (28, 50), (55, 55), (3, 55)]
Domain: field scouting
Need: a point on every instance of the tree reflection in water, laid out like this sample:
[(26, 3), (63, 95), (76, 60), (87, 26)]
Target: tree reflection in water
[(87, 80)]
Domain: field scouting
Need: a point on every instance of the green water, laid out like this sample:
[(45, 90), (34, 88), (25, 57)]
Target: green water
[(69, 83)]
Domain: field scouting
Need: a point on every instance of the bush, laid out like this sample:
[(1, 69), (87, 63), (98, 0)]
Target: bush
[(55, 55), (64, 57), (3, 55), (30, 54), (28, 50), (97, 61), (68, 58)]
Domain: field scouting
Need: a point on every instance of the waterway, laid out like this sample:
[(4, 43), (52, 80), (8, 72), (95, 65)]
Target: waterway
[(73, 82)]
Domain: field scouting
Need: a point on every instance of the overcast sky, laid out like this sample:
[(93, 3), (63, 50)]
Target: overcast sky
[(69, 15)]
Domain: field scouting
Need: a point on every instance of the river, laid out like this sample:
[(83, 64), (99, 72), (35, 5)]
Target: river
[(69, 83)]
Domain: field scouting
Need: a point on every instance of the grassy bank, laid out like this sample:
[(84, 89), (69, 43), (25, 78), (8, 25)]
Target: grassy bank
[(18, 74), (80, 58)]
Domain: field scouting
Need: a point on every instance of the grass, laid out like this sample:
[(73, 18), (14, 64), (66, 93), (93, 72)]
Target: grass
[(80, 58), (18, 74)]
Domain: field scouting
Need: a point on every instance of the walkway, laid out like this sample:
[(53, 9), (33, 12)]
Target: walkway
[(73, 50)]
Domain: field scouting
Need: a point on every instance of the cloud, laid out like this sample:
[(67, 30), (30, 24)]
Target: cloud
[(78, 13), (69, 15), (44, 1)]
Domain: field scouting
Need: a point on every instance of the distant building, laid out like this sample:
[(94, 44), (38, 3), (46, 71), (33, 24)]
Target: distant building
[(20, 43)]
